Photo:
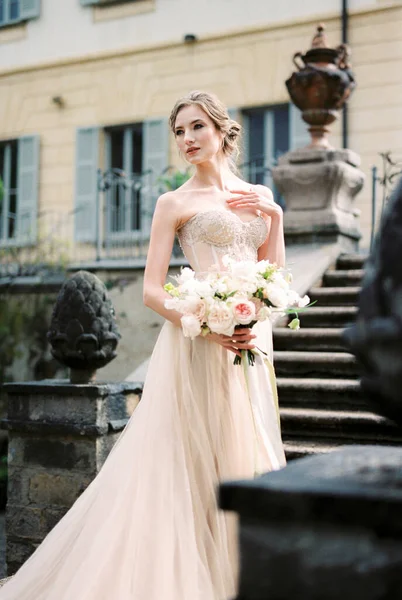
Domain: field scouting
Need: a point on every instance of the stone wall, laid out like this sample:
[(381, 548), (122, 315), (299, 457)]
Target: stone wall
[(59, 437)]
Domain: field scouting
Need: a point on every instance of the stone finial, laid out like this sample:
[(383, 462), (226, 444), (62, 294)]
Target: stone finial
[(320, 38), (83, 331), (376, 338)]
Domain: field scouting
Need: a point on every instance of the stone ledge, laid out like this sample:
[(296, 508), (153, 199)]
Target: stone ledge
[(65, 388)]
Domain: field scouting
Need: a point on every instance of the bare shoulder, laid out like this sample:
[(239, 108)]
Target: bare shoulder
[(264, 190), (167, 202)]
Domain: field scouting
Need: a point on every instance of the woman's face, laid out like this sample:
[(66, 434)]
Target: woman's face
[(196, 135)]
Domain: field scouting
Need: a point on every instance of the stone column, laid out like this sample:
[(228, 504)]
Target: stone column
[(319, 187), (59, 437)]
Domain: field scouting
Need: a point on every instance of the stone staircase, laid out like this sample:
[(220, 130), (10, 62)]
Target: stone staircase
[(322, 407)]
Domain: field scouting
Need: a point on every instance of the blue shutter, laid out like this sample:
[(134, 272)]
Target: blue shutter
[(299, 137), (29, 9), (27, 198), (86, 177), (156, 159)]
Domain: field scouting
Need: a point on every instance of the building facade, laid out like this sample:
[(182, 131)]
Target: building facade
[(87, 85)]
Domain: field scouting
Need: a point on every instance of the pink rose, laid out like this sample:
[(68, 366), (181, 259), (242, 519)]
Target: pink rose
[(244, 312)]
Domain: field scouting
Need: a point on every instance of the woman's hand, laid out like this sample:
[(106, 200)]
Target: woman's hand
[(255, 201), (240, 340)]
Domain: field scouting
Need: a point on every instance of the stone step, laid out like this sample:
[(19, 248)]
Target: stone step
[(332, 426), (315, 364), (351, 261), (335, 296), (295, 449), (349, 278), (323, 394), (328, 316), (315, 339)]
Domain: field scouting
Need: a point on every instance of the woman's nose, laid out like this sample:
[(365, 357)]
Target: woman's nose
[(188, 138)]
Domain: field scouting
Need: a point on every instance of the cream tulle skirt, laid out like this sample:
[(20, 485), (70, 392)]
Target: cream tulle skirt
[(148, 526)]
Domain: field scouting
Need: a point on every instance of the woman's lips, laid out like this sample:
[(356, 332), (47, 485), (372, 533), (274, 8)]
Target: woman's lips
[(192, 151)]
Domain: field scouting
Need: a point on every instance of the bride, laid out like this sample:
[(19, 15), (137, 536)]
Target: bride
[(148, 527)]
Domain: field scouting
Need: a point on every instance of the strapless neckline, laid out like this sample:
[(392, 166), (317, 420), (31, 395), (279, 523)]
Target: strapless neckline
[(221, 211)]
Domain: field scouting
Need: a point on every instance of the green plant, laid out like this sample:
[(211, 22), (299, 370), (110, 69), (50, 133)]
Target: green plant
[(173, 179)]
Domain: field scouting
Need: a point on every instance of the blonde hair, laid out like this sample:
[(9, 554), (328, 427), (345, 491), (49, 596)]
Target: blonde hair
[(217, 112)]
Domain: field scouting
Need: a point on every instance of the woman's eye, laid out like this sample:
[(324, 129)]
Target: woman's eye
[(179, 132), (198, 126)]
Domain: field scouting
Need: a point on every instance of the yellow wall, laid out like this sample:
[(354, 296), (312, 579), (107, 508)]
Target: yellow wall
[(244, 69)]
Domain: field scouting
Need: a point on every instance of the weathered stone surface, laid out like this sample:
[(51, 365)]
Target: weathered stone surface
[(319, 187), (60, 434), (17, 553), (333, 522), (53, 489), (74, 455)]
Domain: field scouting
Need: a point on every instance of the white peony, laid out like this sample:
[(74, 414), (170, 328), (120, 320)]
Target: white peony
[(191, 326), (203, 289), (243, 269), (194, 306), (220, 318), (172, 303)]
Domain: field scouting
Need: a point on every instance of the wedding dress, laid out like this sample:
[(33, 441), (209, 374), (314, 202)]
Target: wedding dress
[(148, 526)]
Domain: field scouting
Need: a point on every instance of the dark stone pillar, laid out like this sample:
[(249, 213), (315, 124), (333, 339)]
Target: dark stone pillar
[(328, 527), (59, 437)]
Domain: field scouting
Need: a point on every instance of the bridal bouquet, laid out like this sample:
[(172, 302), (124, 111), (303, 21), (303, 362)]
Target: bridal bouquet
[(222, 301)]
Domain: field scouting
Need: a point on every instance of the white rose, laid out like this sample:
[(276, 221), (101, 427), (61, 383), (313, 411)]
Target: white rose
[(276, 295), (220, 318), (191, 326)]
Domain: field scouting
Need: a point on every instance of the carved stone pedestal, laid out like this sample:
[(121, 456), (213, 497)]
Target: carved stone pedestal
[(59, 437), (319, 187), (324, 527)]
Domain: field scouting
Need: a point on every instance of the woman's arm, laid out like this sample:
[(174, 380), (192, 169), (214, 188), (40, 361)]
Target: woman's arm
[(160, 249), (273, 249)]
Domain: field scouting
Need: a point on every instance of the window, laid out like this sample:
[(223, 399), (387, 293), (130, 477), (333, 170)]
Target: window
[(15, 11), (135, 157), (19, 194), (124, 149), (269, 133)]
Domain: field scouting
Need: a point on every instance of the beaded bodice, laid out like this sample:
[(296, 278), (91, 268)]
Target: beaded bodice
[(207, 236)]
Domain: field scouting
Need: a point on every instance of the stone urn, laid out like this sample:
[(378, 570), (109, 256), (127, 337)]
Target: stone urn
[(321, 85)]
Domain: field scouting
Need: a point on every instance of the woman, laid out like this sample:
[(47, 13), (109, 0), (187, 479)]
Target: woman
[(148, 527)]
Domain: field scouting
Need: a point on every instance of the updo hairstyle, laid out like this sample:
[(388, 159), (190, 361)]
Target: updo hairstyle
[(218, 113)]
